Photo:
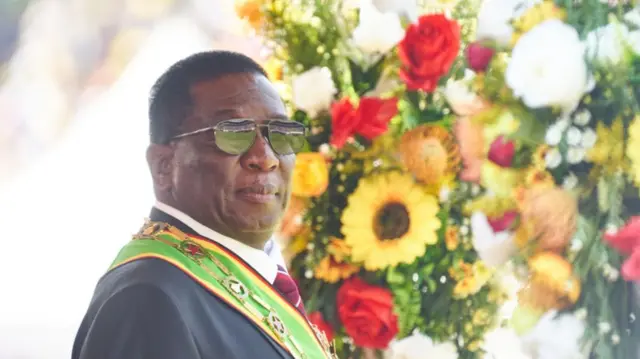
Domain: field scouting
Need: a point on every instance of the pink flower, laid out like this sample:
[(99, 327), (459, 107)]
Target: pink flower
[(478, 56), (627, 238), (501, 152)]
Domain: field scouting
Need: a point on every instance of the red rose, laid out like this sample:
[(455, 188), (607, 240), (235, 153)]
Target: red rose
[(501, 152), (343, 122), (428, 50), (503, 223), (631, 267), (317, 319), (374, 115), (370, 119), (478, 56), (627, 238), (366, 312)]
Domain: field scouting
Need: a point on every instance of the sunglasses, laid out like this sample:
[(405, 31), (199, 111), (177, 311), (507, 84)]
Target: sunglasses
[(236, 136)]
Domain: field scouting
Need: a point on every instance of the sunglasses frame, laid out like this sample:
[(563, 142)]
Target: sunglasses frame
[(259, 127)]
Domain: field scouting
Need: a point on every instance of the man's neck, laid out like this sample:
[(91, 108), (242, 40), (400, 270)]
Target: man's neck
[(169, 213)]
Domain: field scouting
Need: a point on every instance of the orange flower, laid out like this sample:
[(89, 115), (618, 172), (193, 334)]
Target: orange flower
[(249, 10), (334, 267), (430, 153), (471, 141), (311, 175), (451, 238), (552, 284), (548, 215)]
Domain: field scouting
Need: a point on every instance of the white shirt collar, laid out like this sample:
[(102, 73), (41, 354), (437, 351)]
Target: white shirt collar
[(263, 263)]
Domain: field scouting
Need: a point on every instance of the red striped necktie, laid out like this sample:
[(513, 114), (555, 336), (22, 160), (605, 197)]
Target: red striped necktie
[(288, 288)]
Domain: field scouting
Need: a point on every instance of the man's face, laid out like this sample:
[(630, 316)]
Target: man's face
[(227, 192)]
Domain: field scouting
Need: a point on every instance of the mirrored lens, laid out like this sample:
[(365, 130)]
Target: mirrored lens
[(235, 136), (286, 137)]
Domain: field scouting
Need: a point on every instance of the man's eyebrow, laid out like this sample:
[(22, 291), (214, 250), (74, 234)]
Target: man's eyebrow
[(232, 113)]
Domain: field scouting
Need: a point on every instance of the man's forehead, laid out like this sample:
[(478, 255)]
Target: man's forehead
[(237, 95), (234, 89)]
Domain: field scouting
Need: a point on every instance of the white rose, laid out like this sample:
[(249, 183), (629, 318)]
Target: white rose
[(633, 41), (633, 16), (420, 346), (463, 101), (503, 343), (313, 90), (556, 337), (607, 44), (548, 68), (377, 32), (494, 20), (406, 8), (495, 249)]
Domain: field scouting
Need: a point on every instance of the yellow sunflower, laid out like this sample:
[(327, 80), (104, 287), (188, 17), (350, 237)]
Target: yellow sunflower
[(389, 219), (430, 153)]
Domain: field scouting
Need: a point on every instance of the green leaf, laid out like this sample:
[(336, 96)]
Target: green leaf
[(432, 285), (428, 270), (394, 277)]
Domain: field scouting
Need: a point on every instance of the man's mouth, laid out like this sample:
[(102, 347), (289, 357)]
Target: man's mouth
[(259, 193)]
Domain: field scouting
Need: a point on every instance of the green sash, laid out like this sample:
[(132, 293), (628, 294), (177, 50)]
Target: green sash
[(231, 280)]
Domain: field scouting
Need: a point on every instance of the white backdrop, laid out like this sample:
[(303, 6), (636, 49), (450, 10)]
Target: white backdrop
[(64, 220)]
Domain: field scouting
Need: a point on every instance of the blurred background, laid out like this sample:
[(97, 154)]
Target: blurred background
[(74, 81)]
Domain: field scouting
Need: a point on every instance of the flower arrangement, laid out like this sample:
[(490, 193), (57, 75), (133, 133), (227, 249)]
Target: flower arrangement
[(559, 81), (453, 152)]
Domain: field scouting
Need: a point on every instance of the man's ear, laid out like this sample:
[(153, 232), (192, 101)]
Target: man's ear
[(160, 160)]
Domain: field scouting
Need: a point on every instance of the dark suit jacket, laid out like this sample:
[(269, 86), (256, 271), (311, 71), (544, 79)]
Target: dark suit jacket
[(149, 309)]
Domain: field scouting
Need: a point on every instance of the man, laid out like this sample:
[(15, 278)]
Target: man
[(195, 282)]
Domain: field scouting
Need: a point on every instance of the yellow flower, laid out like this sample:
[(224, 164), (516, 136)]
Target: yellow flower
[(298, 243), (311, 175), (292, 221), (552, 284), (474, 345), (389, 219), (499, 180), (539, 177), (470, 278), (451, 238), (334, 267), (273, 68), (481, 317), (491, 206), (608, 151), (633, 149), (538, 157), (430, 153), (249, 10), (543, 11)]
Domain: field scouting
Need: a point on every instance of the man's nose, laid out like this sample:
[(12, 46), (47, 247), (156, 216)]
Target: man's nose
[(260, 157)]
